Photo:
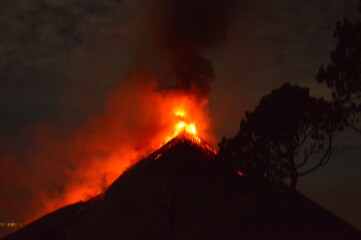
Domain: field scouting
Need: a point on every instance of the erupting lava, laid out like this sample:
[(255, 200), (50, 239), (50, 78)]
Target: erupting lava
[(190, 120), (184, 127), (184, 121)]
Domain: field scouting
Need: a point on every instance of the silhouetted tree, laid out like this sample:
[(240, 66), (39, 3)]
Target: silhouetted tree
[(288, 135), (343, 75)]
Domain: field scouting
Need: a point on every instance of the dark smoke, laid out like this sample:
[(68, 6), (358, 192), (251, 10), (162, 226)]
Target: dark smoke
[(186, 29)]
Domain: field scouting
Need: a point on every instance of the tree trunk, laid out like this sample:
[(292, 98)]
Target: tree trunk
[(293, 196), (292, 172), (293, 182)]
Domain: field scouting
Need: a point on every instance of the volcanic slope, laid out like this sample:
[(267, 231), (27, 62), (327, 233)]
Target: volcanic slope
[(181, 192)]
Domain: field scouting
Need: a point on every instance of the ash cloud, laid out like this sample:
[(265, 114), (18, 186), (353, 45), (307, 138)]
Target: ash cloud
[(183, 30)]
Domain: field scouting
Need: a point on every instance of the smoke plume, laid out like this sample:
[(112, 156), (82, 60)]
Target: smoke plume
[(181, 31)]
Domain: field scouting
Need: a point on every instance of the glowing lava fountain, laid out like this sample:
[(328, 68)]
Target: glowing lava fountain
[(183, 125)]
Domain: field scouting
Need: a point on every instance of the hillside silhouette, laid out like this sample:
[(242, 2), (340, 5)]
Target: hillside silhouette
[(181, 192)]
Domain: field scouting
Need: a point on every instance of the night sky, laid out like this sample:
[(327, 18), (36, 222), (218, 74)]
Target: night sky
[(60, 59)]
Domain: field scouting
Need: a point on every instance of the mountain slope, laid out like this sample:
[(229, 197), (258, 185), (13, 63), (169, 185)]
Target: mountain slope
[(180, 192)]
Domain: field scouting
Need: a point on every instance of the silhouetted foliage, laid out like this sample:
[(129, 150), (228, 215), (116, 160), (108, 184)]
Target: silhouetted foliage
[(288, 135), (343, 75)]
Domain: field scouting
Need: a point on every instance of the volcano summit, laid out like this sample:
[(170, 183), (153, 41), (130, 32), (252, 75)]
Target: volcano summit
[(181, 192)]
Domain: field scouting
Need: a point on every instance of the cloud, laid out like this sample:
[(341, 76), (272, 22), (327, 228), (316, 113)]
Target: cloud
[(41, 46)]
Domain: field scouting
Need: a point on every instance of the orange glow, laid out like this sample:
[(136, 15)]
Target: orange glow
[(137, 120)]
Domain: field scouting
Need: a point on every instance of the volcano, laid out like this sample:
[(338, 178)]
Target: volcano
[(181, 191)]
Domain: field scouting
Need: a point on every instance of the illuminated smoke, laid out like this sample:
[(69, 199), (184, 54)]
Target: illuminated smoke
[(63, 166), (54, 166)]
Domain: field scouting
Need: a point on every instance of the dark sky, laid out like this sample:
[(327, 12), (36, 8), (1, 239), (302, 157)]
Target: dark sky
[(59, 59)]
